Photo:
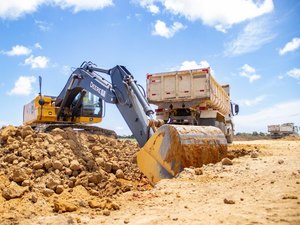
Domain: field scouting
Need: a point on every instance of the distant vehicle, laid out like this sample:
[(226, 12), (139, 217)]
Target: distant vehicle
[(285, 129)]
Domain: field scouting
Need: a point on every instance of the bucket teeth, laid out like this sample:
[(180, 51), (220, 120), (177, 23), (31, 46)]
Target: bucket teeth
[(174, 147)]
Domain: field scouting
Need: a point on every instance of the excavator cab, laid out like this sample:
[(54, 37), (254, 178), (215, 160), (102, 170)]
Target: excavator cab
[(86, 109), (91, 106)]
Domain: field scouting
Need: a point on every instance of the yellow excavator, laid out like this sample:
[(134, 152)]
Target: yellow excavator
[(165, 148), (45, 113)]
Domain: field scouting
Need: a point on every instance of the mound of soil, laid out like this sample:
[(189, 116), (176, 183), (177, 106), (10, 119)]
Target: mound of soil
[(291, 138), (82, 169)]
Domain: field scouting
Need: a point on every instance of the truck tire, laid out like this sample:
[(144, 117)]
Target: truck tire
[(229, 138), (214, 123), (207, 122), (222, 127)]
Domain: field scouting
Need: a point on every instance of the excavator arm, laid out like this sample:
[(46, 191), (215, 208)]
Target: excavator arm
[(122, 91)]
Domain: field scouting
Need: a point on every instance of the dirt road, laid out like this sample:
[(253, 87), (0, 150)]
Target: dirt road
[(261, 187)]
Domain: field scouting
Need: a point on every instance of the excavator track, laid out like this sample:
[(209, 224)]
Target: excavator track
[(91, 129)]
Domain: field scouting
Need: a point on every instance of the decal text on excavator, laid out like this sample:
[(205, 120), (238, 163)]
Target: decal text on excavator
[(97, 89)]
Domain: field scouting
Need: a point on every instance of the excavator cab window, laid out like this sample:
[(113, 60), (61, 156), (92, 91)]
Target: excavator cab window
[(91, 106)]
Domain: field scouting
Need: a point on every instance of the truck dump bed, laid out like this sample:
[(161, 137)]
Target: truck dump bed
[(287, 128), (274, 128), (197, 86)]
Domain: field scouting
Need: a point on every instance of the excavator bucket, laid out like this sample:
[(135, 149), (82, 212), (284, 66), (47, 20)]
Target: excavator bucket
[(174, 147)]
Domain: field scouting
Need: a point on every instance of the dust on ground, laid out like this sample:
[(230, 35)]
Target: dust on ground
[(259, 183)]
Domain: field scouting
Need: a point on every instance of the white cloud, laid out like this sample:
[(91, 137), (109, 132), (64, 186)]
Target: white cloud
[(161, 29), (275, 114), (189, 65), (138, 16), (218, 14), (79, 5), (249, 72), (295, 73), (144, 3), (37, 62), (120, 128), (18, 50), (38, 45), (220, 28), (290, 46), (251, 102), (23, 86), (254, 35), (42, 25), (67, 70), (149, 5), (280, 77), (154, 9), (14, 9)]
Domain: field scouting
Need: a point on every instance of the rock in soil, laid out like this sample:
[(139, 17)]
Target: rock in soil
[(229, 201), (227, 162), (13, 191), (254, 155), (63, 206), (106, 212), (198, 171)]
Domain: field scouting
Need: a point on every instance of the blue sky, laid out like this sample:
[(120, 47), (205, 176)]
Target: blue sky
[(252, 45)]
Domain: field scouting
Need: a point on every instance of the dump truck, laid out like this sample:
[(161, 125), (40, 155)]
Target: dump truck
[(192, 97), (165, 148), (285, 129)]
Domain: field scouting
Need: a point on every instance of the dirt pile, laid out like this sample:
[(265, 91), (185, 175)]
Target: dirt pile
[(49, 164), (291, 138), (250, 137), (240, 150)]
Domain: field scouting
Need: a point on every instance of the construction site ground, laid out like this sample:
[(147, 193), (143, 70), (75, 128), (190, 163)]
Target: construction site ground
[(259, 183)]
